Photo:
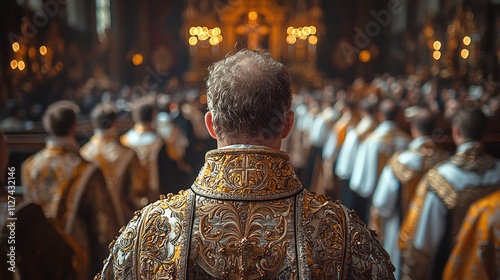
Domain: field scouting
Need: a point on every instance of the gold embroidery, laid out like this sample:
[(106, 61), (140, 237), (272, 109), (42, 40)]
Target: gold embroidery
[(473, 159), (243, 240), (466, 198), (52, 183), (280, 236), (164, 237), (410, 223), (237, 174), (409, 178), (385, 154), (326, 237), (148, 156), (442, 188), (401, 171)]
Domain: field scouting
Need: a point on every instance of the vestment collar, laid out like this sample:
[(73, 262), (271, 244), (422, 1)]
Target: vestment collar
[(65, 143), (106, 133), (385, 127), (143, 127), (471, 157), (247, 174), (472, 145), (419, 141)]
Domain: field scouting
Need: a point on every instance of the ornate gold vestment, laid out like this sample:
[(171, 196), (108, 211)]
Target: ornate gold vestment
[(246, 217), (476, 254), (122, 170), (72, 193), (388, 142), (148, 156), (409, 179), (457, 202)]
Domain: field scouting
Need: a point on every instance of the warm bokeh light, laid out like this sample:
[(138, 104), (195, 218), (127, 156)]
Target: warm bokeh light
[(193, 41), (290, 39), (192, 31), (313, 40), (137, 59), (43, 50), (436, 55), (467, 40), (214, 41), (464, 53), (365, 56), (13, 64), (15, 46), (436, 45), (203, 36), (252, 15), (203, 33), (302, 33), (306, 30), (21, 65)]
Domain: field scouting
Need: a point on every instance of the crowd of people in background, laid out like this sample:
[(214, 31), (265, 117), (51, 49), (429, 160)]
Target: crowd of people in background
[(371, 145)]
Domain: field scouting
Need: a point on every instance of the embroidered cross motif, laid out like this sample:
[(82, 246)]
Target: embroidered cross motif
[(244, 256), (245, 171)]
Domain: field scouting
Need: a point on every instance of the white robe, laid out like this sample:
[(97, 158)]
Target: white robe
[(321, 126), (348, 151), (386, 196), (364, 175), (431, 226)]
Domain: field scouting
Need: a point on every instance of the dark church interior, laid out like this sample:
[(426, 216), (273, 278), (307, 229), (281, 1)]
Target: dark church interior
[(429, 70)]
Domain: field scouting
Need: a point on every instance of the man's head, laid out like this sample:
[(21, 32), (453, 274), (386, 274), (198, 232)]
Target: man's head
[(60, 118), (468, 125), (422, 123), (347, 105), (388, 110), (249, 99), (368, 107), (103, 115), (144, 111)]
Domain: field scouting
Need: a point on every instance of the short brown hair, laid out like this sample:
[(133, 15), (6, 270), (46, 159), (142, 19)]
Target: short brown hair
[(249, 95), (389, 109), (471, 123), (103, 115), (60, 117), (143, 111), (424, 121)]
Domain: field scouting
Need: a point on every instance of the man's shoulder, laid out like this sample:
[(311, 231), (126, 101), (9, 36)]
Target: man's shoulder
[(109, 150), (159, 226), (337, 231), (173, 202)]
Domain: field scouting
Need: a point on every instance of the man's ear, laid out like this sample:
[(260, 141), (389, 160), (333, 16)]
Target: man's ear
[(289, 119), (210, 125)]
